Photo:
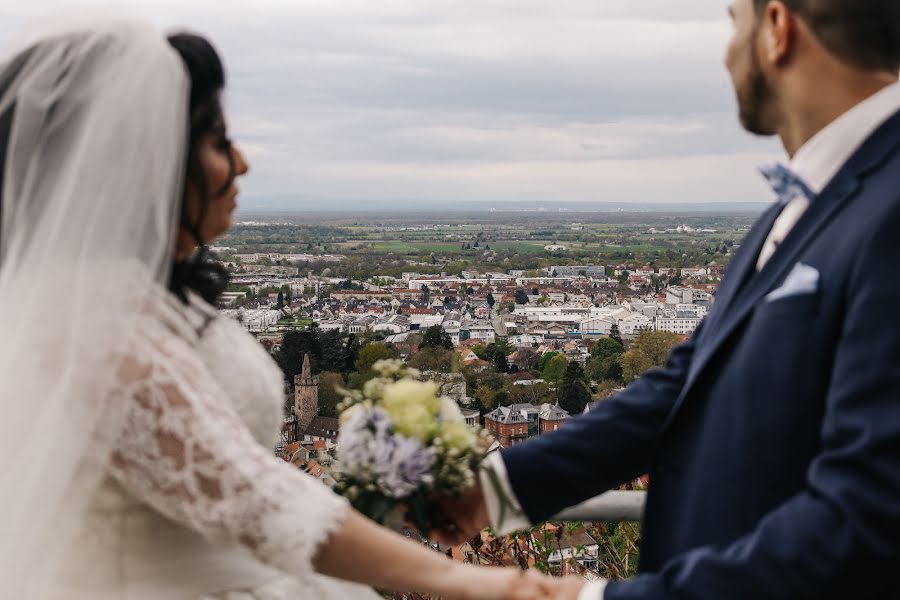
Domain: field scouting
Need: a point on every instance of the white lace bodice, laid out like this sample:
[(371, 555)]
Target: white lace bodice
[(195, 454)]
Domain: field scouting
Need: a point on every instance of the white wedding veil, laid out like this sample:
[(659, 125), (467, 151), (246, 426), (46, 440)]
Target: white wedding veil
[(93, 134)]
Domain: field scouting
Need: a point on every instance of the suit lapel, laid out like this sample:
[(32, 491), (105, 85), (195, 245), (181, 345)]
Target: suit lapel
[(742, 266), (739, 300), (804, 232)]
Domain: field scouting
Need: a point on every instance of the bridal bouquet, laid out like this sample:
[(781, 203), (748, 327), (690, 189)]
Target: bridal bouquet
[(400, 444)]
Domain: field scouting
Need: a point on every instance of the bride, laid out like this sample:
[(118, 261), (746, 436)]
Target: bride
[(136, 423)]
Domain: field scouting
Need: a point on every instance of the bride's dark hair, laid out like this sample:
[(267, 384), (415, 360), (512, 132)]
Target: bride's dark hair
[(207, 77)]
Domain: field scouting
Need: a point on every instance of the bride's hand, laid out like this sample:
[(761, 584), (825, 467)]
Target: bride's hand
[(499, 583)]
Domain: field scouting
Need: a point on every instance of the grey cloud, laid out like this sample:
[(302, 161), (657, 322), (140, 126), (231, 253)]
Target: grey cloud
[(487, 99)]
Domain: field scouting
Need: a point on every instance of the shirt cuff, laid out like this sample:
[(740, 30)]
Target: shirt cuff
[(593, 590), (503, 508)]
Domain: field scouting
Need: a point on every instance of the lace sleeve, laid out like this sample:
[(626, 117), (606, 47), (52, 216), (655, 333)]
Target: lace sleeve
[(184, 452)]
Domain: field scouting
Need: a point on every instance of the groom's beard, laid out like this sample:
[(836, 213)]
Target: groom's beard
[(755, 101)]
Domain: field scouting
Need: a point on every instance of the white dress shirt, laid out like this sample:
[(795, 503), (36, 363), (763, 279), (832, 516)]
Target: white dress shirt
[(816, 163)]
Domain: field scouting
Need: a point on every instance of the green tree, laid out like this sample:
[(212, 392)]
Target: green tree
[(438, 360), (372, 353), (329, 397), (615, 335), (545, 359), (333, 352), (491, 389), (295, 345), (649, 350), (537, 393), (606, 347), (280, 304), (496, 352), (486, 398), (554, 370), (521, 296), (490, 300), (527, 359), (498, 357), (573, 393), (501, 346), (604, 363), (351, 352), (436, 337)]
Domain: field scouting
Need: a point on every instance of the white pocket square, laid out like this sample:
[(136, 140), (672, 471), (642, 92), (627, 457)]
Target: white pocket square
[(803, 279)]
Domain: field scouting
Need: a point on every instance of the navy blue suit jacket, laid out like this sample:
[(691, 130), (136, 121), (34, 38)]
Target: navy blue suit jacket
[(772, 437)]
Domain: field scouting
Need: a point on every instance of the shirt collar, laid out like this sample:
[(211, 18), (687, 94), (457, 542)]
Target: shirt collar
[(819, 159)]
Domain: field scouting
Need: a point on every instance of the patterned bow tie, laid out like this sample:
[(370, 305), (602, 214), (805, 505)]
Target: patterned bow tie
[(786, 184)]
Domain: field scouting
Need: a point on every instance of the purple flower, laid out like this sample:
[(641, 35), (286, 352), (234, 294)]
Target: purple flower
[(362, 439), (368, 450), (404, 465)]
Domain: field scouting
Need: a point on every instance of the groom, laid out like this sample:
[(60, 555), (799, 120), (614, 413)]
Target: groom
[(772, 437)]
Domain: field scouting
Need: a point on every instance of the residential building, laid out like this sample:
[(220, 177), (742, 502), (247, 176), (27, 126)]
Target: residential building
[(578, 270), (392, 324), (551, 417), (679, 295), (480, 329), (323, 428), (634, 323), (596, 326), (511, 425), (699, 273), (472, 417), (526, 340), (681, 326)]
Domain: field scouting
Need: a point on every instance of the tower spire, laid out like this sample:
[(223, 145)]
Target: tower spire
[(306, 396)]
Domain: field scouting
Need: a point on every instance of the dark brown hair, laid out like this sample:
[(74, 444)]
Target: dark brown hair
[(207, 78), (862, 33)]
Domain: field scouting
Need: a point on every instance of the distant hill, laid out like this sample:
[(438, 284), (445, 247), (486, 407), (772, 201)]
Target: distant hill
[(275, 205)]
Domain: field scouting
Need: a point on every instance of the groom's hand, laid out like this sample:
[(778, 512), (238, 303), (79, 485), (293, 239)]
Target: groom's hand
[(565, 588), (465, 516)]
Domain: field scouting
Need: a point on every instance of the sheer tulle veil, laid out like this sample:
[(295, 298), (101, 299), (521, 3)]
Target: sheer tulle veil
[(93, 134)]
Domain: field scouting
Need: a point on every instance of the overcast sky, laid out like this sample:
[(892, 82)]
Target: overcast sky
[(492, 100)]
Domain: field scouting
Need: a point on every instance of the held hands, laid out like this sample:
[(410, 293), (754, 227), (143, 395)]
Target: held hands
[(465, 517), (567, 588), (509, 583)]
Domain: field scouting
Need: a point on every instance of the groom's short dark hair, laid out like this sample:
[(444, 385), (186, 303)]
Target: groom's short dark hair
[(863, 33)]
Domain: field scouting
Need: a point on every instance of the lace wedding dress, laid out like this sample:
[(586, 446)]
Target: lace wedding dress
[(195, 505)]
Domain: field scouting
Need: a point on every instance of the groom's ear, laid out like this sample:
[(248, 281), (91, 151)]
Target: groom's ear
[(778, 28)]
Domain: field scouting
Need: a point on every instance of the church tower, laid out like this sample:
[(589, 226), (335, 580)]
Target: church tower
[(306, 396)]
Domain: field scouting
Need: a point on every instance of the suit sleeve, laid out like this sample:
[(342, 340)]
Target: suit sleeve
[(601, 449), (838, 538)]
